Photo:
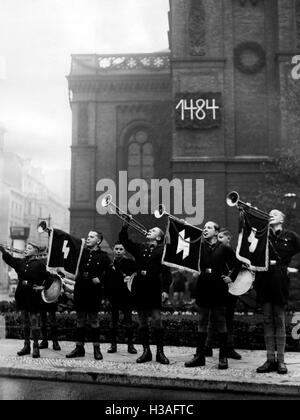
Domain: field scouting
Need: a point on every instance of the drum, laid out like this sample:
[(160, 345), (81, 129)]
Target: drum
[(243, 283), (53, 290)]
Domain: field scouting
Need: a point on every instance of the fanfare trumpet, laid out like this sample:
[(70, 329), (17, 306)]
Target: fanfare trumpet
[(107, 202), (233, 199), (10, 249), (43, 227), (161, 211)]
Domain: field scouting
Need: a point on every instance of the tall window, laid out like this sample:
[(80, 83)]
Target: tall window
[(140, 156), (83, 125)]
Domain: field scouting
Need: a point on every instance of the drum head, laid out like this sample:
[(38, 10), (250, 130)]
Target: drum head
[(52, 293), (242, 284)]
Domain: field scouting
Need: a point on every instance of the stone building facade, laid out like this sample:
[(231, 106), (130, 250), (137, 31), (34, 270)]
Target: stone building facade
[(25, 200), (126, 109)]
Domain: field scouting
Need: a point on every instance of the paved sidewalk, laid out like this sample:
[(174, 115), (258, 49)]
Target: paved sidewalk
[(121, 369)]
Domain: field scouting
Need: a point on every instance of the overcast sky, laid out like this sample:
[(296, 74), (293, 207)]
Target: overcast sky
[(37, 38)]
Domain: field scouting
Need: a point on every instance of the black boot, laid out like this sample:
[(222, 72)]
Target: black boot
[(282, 369), (197, 361), (36, 350), (113, 348), (232, 354), (147, 355), (96, 341), (97, 352), (131, 349), (267, 367), (43, 345), (160, 355), (223, 361), (54, 335), (199, 358), (77, 352), (26, 350), (79, 349), (56, 346)]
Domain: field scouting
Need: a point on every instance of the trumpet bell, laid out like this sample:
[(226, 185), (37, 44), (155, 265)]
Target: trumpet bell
[(106, 200), (160, 211), (42, 227), (232, 199)]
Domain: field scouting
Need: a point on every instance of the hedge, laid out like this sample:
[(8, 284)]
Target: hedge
[(180, 329)]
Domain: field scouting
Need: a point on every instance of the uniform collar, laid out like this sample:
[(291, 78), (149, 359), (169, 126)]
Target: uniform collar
[(119, 261), (98, 249), (278, 233), (31, 258), (213, 245)]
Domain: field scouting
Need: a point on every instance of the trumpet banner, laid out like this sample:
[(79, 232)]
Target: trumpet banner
[(182, 246), (253, 243), (65, 253)]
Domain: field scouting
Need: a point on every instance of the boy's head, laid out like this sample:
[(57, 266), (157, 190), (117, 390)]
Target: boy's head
[(119, 250), (211, 230), (225, 237), (94, 238), (31, 249), (155, 234), (276, 217)]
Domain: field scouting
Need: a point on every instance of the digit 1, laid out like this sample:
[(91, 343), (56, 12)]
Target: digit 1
[(182, 104)]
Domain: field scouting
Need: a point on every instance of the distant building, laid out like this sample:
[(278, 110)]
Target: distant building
[(25, 200), (60, 182)]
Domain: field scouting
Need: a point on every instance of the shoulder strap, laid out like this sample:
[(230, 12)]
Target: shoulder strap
[(274, 250)]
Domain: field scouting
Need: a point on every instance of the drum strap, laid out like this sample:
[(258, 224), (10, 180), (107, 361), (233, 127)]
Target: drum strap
[(275, 251)]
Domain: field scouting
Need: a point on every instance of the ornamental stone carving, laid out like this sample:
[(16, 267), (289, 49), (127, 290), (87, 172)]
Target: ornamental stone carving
[(257, 54), (197, 28)]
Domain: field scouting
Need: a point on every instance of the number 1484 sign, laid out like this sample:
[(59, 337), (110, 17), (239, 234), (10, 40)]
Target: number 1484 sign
[(198, 110)]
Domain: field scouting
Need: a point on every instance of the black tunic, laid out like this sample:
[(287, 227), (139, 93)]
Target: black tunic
[(273, 285), (115, 288), (31, 272), (219, 259), (152, 279), (87, 295)]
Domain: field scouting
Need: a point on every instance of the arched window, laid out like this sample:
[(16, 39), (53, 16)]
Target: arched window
[(140, 156)]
